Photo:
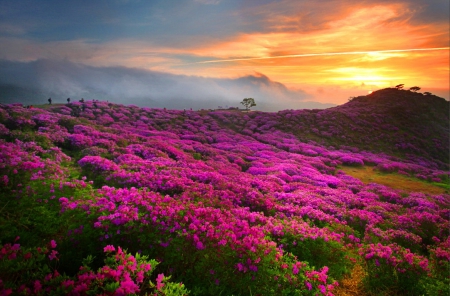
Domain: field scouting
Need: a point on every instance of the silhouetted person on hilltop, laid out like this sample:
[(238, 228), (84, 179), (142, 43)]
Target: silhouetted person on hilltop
[(68, 100), (49, 101), (82, 100)]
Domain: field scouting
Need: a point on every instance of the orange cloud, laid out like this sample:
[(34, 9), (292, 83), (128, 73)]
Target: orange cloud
[(331, 78), (376, 28)]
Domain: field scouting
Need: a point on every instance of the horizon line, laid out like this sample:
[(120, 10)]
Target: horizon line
[(323, 54)]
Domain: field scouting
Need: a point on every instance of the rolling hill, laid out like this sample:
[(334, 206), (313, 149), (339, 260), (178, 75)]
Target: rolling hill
[(107, 199)]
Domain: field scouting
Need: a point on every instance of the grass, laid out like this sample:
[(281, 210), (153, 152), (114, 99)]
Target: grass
[(352, 285), (367, 175), (47, 106)]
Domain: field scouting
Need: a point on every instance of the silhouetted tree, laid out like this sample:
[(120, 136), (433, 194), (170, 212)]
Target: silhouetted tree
[(427, 93), (399, 86), (414, 88), (248, 103)]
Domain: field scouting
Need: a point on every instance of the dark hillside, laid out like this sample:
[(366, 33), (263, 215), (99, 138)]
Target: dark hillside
[(397, 122), (408, 122)]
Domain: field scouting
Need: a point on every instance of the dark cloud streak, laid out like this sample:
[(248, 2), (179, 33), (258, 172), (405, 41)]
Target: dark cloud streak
[(175, 23)]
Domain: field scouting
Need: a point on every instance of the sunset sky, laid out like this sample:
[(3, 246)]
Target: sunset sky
[(187, 52)]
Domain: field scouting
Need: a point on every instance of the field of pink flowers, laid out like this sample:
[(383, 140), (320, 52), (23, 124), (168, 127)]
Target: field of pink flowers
[(105, 199)]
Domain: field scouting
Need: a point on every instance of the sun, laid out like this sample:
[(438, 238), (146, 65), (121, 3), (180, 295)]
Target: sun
[(360, 75)]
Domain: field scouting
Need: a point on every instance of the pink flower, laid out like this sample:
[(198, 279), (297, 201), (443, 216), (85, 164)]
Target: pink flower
[(128, 287), (239, 266), (140, 277), (199, 245), (37, 286), (424, 264), (146, 267), (109, 248), (253, 268), (53, 244), (67, 283), (6, 292), (159, 280), (53, 255), (308, 285), (322, 289)]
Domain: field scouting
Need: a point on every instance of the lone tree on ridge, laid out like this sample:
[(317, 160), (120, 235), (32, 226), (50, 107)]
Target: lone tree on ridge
[(414, 88), (248, 103), (399, 86)]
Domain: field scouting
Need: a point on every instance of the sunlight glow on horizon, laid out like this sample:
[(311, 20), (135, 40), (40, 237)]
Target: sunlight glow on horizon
[(325, 54)]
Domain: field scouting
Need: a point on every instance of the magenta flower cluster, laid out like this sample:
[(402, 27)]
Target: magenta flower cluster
[(242, 186)]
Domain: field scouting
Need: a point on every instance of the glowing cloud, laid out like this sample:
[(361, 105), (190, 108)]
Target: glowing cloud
[(326, 54)]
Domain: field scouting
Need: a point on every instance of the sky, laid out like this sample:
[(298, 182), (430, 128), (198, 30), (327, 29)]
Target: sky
[(286, 54)]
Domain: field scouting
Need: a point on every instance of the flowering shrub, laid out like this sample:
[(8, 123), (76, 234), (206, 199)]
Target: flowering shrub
[(353, 161), (33, 272), (226, 203), (397, 265)]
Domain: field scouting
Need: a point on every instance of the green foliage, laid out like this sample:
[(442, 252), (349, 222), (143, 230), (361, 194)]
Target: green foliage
[(319, 253), (446, 186), (98, 178), (32, 213), (248, 103), (167, 288), (35, 269), (68, 122), (393, 270), (25, 265), (436, 287), (437, 283)]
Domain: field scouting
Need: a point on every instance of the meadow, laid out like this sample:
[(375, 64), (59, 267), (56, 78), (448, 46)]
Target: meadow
[(106, 199)]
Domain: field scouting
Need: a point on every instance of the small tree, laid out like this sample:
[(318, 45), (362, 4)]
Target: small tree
[(399, 86), (414, 88), (248, 103), (427, 93)]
